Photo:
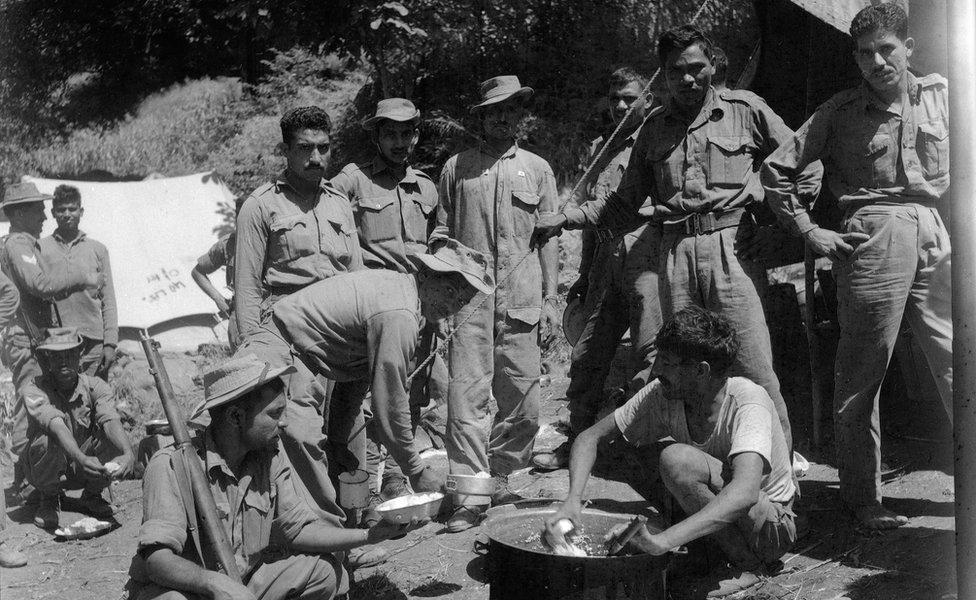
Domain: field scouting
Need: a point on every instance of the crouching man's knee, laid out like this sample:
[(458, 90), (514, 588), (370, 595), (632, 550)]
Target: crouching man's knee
[(683, 466)]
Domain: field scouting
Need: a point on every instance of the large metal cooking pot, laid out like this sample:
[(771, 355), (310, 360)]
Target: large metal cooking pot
[(520, 568)]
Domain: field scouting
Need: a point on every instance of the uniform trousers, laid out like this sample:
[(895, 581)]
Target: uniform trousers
[(901, 271), (623, 290), (49, 469), (294, 577), (494, 354), (704, 271)]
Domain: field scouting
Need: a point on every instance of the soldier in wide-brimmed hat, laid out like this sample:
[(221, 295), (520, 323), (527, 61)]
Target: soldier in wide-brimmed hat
[(23, 205), (284, 548), (73, 431), (490, 199), (394, 205)]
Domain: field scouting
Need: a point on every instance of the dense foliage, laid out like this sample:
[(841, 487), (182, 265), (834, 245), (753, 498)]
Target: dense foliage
[(182, 85)]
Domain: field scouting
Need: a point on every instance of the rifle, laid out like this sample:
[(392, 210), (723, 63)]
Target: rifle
[(206, 509)]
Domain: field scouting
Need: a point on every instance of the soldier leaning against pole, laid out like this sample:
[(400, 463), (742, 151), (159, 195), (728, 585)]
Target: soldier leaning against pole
[(885, 147), (24, 207), (394, 205)]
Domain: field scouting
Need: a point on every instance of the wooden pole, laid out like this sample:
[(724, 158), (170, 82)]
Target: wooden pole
[(962, 192)]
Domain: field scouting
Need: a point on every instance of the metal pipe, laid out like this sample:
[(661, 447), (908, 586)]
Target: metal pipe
[(962, 105)]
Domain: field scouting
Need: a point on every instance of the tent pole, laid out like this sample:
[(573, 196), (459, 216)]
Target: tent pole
[(962, 105)]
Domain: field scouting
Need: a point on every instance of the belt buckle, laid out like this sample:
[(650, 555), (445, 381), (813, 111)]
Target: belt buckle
[(693, 224)]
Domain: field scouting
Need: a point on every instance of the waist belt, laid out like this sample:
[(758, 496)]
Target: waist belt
[(702, 223)]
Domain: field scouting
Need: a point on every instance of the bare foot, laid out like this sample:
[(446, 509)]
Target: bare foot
[(875, 516)]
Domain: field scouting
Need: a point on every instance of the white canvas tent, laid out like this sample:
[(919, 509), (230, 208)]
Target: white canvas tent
[(154, 231)]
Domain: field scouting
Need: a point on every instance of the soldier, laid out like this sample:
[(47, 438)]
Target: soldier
[(295, 230), (490, 198), (283, 548), (361, 330), (616, 293), (695, 177), (24, 207), (94, 314), (394, 206), (9, 302), (885, 147), (73, 430)]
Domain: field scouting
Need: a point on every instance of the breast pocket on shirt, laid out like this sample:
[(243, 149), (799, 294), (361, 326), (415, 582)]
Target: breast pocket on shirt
[(338, 239), (258, 519), (525, 205), (933, 147), (419, 217), (379, 218), (731, 158), (291, 237), (878, 162)]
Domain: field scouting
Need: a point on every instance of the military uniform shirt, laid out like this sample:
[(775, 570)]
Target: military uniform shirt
[(93, 312), (37, 287), (285, 242), (221, 254), (490, 203), (259, 507), (871, 152), (9, 301), (358, 326), (393, 217), (710, 165), (91, 405)]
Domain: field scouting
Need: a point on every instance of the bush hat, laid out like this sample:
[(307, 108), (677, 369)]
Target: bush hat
[(394, 109), (455, 257), (501, 88), (60, 339), (234, 378), (22, 193)]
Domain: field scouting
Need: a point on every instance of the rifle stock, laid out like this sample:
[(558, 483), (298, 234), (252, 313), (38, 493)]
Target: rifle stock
[(211, 526)]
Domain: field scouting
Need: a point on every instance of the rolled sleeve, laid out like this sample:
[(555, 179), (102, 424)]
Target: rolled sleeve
[(792, 174), (103, 399), (40, 409), (391, 342), (163, 514), (292, 513)]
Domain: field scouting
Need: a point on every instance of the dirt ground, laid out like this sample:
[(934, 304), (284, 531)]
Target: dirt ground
[(833, 559)]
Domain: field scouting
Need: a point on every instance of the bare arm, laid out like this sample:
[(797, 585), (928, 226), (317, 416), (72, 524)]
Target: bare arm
[(207, 287), (581, 461)]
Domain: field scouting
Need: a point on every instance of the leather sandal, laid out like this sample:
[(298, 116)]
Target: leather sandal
[(465, 517)]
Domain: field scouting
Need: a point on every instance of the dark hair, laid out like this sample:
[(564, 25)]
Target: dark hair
[(881, 17), (681, 37), (304, 117), (696, 334), (720, 62), (247, 401), (66, 193), (625, 76)]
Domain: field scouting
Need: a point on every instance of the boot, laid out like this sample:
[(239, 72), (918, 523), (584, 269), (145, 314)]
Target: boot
[(48, 510), (465, 517), (503, 493), (394, 487), (554, 460), (93, 503)]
